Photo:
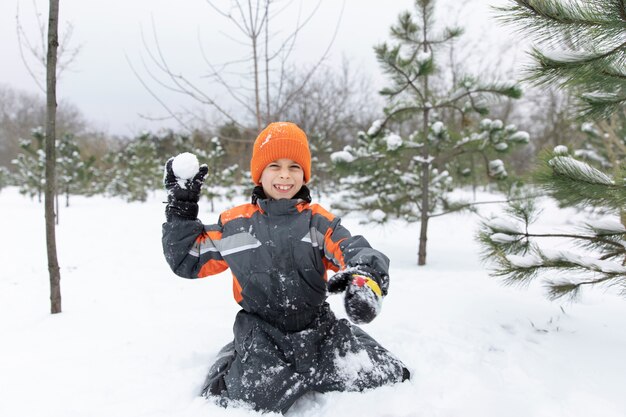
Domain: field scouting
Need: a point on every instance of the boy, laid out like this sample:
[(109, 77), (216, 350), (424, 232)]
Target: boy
[(287, 341)]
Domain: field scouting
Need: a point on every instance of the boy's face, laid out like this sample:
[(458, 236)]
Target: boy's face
[(282, 178)]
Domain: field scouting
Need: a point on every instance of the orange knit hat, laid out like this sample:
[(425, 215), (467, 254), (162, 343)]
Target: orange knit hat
[(280, 140)]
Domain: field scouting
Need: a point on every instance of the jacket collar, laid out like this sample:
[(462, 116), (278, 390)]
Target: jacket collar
[(271, 206)]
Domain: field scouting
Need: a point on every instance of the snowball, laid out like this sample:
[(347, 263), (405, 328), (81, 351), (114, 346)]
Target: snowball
[(185, 165), (561, 150)]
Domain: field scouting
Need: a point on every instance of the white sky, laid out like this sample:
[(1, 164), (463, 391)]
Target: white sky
[(102, 84)]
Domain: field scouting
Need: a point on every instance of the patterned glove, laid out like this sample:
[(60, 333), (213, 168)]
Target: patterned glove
[(364, 292), (183, 194)]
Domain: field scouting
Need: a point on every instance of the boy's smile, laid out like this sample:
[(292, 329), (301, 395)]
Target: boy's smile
[(282, 179)]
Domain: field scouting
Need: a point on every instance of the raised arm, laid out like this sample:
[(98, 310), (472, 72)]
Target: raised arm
[(188, 245)]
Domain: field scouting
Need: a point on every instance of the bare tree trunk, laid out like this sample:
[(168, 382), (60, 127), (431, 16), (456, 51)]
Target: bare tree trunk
[(425, 209), (424, 215), (257, 93), (267, 62), (51, 107), (56, 206)]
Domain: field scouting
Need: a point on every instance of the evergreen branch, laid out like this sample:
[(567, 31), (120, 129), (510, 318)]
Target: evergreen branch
[(477, 203), (558, 289), (574, 183), (555, 22)]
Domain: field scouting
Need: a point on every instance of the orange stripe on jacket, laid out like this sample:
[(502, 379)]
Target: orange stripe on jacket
[(237, 290), (317, 209), (328, 265), (243, 211), (213, 235), (333, 248), (212, 267)]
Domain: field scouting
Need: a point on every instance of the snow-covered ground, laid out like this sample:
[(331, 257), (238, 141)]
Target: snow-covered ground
[(135, 340)]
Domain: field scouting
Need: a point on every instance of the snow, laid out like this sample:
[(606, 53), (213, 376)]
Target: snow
[(393, 141), (135, 340), (560, 150), (607, 225), (569, 166), (526, 261), (520, 137), (375, 128), (378, 216), (496, 168), (341, 156), (438, 128), (503, 238), (423, 57), (185, 165)]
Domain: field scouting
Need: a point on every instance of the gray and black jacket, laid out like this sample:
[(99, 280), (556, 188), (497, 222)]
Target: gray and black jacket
[(279, 252)]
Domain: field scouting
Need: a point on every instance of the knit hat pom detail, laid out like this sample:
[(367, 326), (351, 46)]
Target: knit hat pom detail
[(280, 140)]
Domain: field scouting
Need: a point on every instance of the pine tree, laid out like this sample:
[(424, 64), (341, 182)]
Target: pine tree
[(583, 48), (221, 178), (5, 177), (75, 173), (522, 254), (592, 34), (409, 177), (135, 170), (30, 165)]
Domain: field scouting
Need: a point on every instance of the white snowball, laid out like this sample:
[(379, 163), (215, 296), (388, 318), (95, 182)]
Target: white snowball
[(185, 165)]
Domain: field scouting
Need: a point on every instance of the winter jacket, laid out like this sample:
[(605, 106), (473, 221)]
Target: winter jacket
[(279, 252)]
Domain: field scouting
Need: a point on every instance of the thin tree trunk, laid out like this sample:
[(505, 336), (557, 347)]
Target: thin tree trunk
[(51, 107), (424, 215), (267, 62), (56, 206), (421, 254), (257, 93)]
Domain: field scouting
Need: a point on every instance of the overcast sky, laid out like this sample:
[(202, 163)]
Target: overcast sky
[(102, 84)]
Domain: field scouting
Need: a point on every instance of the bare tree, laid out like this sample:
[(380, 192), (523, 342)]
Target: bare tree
[(33, 51), (262, 95), (22, 112), (50, 191)]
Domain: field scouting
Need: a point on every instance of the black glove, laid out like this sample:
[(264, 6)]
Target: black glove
[(364, 292), (182, 194)]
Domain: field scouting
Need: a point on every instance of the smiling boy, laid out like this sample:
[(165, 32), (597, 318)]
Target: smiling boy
[(279, 248)]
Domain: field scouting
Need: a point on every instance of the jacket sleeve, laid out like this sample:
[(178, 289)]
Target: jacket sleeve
[(190, 248), (345, 251)]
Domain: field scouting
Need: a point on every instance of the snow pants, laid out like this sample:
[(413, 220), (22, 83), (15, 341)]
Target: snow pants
[(270, 369)]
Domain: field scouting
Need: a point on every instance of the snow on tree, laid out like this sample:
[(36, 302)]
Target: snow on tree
[(221, 179), (5, 177), (583, 48), (134, 170), (31, 165), (74, 173), (595, 252), (409, 176), (590, 33)]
